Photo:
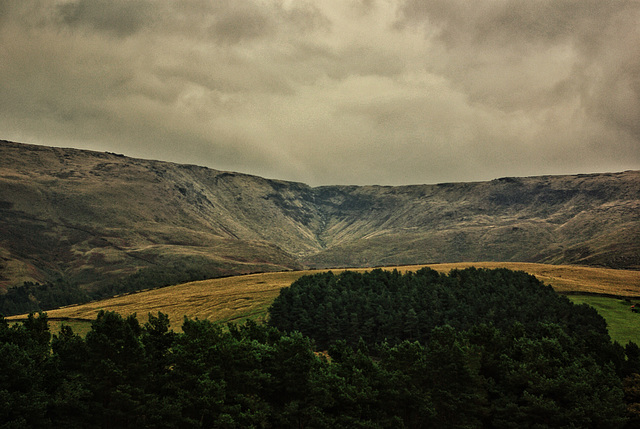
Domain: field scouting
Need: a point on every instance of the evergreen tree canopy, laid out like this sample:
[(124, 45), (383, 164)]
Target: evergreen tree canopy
[(387, 306), (477, 366)]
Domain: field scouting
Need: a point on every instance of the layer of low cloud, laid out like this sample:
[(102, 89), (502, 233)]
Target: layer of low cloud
[(330, 91)]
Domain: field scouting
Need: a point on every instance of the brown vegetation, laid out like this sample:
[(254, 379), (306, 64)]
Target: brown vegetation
[(94, 217), (240, 297)]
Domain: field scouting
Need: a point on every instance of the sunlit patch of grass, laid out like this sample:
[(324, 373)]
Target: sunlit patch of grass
[(569, 278), (623, 324), (80, 327)]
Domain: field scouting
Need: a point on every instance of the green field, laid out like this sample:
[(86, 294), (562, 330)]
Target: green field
[(80, 327), (623, 324)]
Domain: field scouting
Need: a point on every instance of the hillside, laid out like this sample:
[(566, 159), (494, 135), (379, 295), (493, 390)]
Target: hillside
[(240, 297), (91, 217)]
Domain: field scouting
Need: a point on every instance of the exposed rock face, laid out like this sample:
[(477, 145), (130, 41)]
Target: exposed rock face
[(91, 215)]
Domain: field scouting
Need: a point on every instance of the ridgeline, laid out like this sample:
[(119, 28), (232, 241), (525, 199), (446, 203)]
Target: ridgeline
[(110, 224)]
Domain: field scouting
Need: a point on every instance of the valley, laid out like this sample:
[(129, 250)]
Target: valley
[(77, 225), (95, 219)]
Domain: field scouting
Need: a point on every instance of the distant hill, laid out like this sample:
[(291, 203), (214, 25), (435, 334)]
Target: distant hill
[(92, 217)]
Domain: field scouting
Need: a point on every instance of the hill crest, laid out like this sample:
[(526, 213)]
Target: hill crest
[(88, 216)]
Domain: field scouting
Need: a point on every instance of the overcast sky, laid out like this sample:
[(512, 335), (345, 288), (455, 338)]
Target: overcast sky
[(330, 91)]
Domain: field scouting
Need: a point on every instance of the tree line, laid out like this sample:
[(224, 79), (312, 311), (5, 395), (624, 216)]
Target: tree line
[(530, 351), (36, 297), (388, 306), (537, 369)]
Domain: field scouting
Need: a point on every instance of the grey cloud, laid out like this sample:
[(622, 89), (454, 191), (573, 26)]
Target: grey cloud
[(305, 18), (364, 60), (317, 61), (513, 21), (367, 5), (330, 92), (608, 77), (241, 23), (224, 72), (32, 13), (5, 8), (531, 55), (118, 17), (230, 22)]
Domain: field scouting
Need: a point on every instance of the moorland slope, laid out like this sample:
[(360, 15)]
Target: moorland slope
[(89, 216), (233, 299)]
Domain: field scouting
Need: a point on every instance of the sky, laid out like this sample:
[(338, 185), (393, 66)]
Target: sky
[(325, 92)]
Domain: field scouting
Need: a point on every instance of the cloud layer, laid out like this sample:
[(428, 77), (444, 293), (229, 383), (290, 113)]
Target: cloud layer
[(331, 91)]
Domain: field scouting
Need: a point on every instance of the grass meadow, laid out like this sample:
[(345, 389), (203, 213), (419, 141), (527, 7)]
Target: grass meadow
[(235, 299), (623, 324)]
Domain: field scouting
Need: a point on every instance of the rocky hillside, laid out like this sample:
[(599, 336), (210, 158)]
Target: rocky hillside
[(93, 217)]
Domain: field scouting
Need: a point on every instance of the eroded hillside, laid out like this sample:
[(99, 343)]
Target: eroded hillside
[(585, 219), (91, 216)]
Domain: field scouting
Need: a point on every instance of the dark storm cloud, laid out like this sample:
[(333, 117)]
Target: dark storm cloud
[(330, 91)]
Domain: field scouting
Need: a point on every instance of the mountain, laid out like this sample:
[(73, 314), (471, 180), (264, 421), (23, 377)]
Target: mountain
[(94, 217)]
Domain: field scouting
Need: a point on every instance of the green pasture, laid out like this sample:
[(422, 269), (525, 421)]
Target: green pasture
[(623, 324), (80, 327)]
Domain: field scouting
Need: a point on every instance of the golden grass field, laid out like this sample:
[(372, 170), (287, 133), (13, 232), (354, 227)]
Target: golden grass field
[(249, 296)]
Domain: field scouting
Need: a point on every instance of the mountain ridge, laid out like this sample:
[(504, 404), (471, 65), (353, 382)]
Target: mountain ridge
[(91, 216)]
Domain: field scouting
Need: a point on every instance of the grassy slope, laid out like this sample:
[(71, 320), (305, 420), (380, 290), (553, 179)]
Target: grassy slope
[(241, 297), (624, 326), (93, 218)]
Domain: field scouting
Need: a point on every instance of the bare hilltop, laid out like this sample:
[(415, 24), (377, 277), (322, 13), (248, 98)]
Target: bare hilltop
[(92, 216)]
